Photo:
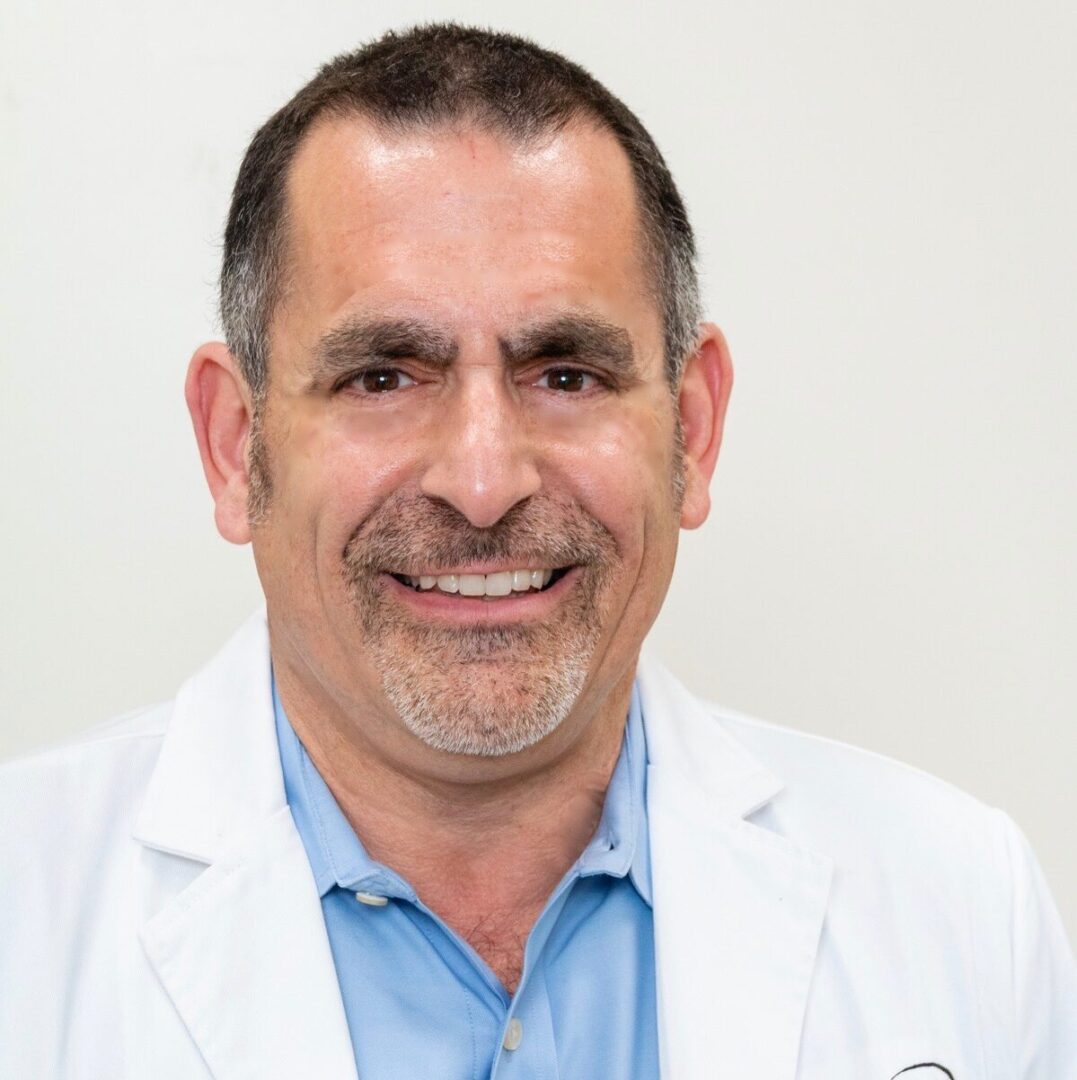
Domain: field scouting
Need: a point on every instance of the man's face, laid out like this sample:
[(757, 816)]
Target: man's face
[(468, 434)]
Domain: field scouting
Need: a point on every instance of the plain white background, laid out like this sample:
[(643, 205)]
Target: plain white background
[(884, 198)]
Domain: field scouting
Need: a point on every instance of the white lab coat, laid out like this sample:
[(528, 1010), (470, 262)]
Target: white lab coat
[(158, 918)]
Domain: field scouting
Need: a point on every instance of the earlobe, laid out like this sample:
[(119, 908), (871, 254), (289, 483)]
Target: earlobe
[(706, 384), (219, 403)]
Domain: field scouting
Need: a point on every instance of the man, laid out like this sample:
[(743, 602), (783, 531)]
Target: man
[(429, 815)]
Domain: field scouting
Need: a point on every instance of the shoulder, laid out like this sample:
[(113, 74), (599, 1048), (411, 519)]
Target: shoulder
[(893, 833), (56, 798), (918, 864), (817, 768), (866, 809), (110, 743), (886, 827), (816, 790)]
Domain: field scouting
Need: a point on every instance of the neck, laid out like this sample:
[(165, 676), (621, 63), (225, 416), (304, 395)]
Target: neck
[(483, 849)]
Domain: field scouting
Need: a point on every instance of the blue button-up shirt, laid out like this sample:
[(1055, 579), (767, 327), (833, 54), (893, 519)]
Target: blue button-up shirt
[(422, 1003)]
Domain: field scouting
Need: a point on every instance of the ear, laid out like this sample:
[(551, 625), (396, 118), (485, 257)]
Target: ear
[(220, 406), (704, 396)]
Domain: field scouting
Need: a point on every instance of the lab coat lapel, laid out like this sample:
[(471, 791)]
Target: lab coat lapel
[(241, 951), (243, 954), (738, 910)]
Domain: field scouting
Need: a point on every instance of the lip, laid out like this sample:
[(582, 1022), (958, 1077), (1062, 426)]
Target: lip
[(476, 568), (456, 610)]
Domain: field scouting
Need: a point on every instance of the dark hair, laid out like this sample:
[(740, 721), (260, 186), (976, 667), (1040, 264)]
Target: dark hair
[(425, 77)]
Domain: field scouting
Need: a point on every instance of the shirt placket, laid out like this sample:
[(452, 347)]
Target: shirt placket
[(528, 1048)]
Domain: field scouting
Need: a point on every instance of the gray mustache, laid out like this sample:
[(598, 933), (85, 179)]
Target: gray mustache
[(408, 534)]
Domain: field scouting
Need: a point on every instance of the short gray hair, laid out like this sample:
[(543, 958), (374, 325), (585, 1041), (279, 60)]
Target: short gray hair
[(423, 78)]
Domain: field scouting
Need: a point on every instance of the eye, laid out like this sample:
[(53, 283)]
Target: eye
[(567, 380), (382, 380)]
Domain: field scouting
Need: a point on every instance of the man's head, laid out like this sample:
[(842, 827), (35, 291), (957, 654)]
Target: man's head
[(458, 291), (435, 78)]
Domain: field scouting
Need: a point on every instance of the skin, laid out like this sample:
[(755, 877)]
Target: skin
[(476, 239)]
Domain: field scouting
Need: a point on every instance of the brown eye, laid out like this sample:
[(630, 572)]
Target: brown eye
[(570, 380), (382, 380)]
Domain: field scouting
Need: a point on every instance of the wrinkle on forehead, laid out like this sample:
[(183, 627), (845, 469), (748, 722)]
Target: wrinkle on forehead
[(466, 216)]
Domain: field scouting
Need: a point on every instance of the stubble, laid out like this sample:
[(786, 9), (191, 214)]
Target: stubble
[(482, 690)]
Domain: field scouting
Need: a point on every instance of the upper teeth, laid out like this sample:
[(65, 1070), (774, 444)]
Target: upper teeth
[(499, 584)]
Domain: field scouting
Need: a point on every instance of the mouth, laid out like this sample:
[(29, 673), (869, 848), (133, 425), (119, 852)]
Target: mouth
[(495, 586)]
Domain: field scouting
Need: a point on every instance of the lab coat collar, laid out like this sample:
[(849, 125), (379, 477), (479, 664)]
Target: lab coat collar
[(219, 771), (218, 775), (685, 737), (738, 909), (243, 953)]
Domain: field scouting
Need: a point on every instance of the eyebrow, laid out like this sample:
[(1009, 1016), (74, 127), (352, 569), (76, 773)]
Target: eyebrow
[(576, 336), (362, 341)]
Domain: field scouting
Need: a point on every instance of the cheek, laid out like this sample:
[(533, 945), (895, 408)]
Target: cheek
[(620, 468), (328, 476)]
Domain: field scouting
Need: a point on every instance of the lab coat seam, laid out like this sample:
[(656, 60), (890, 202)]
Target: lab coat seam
[(1005, 829), (729, 718), (55, 753)]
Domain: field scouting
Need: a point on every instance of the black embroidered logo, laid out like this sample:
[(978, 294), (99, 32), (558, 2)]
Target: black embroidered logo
[(924, 1065)]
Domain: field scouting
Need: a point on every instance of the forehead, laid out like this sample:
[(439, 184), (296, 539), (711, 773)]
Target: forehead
[(463, 223)]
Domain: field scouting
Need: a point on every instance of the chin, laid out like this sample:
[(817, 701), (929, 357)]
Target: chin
[(484, 707)]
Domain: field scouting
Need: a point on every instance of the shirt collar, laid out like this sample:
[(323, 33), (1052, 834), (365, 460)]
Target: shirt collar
[(337, 856), (621, 845)]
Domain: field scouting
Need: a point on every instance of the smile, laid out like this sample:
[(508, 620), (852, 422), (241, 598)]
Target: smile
[(494, 585)]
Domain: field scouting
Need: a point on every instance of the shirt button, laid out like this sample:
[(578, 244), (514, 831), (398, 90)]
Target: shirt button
[(372, 899), (514, 1034)]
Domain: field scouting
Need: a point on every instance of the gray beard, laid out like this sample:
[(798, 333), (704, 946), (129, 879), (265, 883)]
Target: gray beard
[(484, 691), (485, 707)]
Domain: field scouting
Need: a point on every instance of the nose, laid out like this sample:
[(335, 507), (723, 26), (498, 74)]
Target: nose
[(482, 459)]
